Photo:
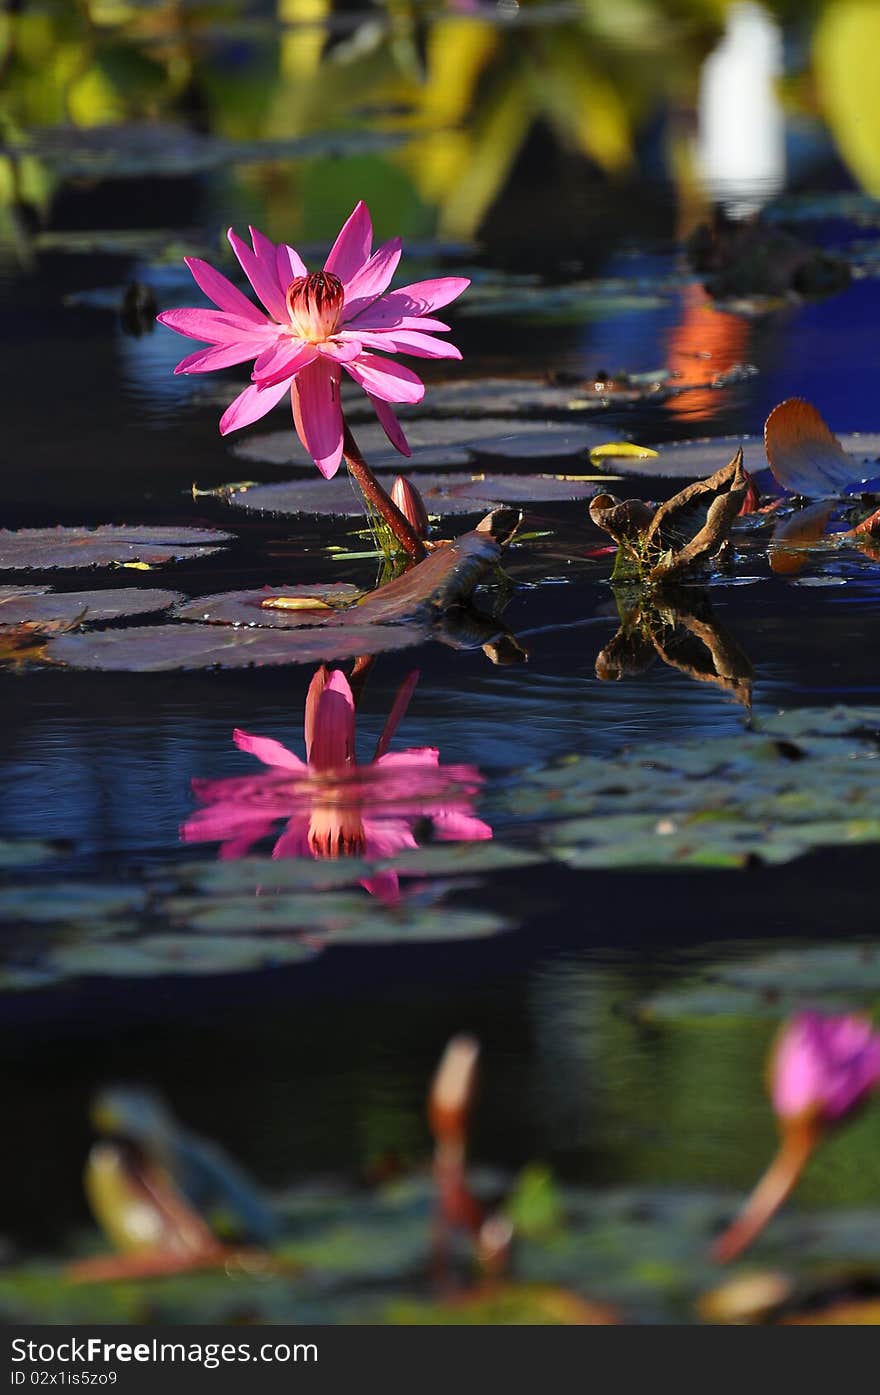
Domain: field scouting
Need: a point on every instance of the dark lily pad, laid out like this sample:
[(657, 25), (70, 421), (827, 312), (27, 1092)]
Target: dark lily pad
[(441, 443), (247, 608), (160, 648), (443, 494), (393, 617), (134, 150), (29, 607), (690, 459), (44, 549)]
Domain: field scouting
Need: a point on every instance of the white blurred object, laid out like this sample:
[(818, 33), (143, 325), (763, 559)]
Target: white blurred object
[(741, 127)]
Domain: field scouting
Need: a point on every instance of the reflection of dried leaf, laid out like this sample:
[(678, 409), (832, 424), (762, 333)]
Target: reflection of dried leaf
[(692, 525), (795, 537), (685, 635), (702, 649)]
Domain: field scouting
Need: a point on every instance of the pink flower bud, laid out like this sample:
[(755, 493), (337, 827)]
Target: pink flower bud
[(409, 501), (823, 1067)]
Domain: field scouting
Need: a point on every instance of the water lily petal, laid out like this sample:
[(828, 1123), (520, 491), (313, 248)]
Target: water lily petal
[(375, 276), (251, 405), (407, 341), (389, 381), (454, 826), (390, 425), (263, 278), (341, 350), (221, 291), (294, 841), (269, 751), (416, 300), (317, 414), (288, 265), (313, 697), (218, 356), (333, 739), (282, 359), (353, 245), (215, 326), (240, 847)]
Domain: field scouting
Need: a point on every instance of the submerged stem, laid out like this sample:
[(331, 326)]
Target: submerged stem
[(376, 496), (798, 1143)]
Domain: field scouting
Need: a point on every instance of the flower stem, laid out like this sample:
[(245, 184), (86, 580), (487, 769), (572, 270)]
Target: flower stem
[(377, 497), (798, 1143)]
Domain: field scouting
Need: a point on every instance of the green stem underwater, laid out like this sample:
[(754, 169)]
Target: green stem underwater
[(377, 497)]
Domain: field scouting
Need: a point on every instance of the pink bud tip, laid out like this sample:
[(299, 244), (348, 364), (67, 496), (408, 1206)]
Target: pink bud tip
[(409, 501)]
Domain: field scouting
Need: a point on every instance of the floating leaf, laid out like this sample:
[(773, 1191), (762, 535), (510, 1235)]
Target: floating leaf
[(161, 648), (442, 442), (805, 456), (690, 527), (442, 494), (694, 458), (764, 796), (622, 450), (43, 549), (250, 607), (18, 607)]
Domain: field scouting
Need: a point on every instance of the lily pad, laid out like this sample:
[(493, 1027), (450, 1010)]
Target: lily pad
[(832, 978), (441, 443), (28, 607), (691, 459), (135, 150), (760, 797), (44, 549), (162, 648), (443, 494), (248, 608), (393, 617)]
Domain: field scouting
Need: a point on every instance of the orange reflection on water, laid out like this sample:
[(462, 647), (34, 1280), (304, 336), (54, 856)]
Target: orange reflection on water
[(705, 343)]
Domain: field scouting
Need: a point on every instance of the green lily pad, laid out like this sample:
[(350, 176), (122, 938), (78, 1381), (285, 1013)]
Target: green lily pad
[(833, 978), (769, 795)]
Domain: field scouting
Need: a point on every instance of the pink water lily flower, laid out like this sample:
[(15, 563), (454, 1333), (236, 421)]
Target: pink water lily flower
[(821, 1070), (823, 1067), (313, 327), (332, 806)]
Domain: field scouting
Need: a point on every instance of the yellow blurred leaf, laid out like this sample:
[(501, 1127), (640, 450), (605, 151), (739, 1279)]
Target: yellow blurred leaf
[(845, 48), (623, 450)]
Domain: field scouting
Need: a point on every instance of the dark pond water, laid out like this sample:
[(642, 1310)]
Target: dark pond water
[(321, 1066)]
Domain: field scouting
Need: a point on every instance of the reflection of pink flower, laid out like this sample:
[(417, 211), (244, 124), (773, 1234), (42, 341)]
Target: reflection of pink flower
[(823, 1067), (333, 806), (316, 325)]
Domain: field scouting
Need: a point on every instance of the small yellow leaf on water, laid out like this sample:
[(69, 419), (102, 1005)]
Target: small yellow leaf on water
[(137, 566), (622, 449), (294, 603)]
